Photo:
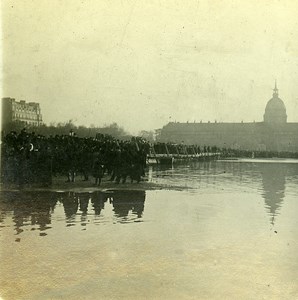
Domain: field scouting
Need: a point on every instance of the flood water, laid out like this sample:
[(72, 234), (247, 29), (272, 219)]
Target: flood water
[(217, 230)]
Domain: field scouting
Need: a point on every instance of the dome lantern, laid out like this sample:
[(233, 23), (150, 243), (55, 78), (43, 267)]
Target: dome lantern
[(275, 90)]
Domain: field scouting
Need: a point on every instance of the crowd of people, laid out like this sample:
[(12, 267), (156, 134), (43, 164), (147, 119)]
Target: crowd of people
[(178, 149), (29, 158)]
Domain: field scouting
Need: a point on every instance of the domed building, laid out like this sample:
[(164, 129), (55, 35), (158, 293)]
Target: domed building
[(273, 134), (275, 111)]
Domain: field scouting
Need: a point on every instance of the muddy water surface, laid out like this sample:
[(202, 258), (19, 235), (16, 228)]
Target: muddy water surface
[(217, 230)]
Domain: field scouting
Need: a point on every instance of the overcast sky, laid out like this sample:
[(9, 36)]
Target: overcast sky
[(143, 63)]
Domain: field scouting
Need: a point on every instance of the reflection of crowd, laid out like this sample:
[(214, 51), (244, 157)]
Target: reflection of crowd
[(123, 203), (126, 201), (28, 158), (35, 209), (28, 208)]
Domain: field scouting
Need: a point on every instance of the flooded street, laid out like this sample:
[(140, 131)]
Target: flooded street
[(217, 230)]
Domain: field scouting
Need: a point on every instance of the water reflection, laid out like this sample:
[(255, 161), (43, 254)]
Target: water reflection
[(70, 203), (236, 176), (125, 202), (37, 208), (34, 210), (98, 202), (28, 208), (274, 183)]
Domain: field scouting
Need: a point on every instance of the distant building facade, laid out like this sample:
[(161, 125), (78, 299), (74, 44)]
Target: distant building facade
[(14, 111), (273, 134)]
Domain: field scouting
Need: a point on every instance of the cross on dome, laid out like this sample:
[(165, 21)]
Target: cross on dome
[(275, 90)]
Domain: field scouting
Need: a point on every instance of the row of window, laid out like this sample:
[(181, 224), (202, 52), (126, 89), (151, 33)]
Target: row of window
[(26, 116), (37, 123), (32, 123), (26, 109)]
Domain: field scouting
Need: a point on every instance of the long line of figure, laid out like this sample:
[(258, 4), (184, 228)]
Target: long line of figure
[(28, 158)]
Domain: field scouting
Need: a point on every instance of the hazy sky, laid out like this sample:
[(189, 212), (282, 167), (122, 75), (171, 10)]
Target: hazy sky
[(142, 63)]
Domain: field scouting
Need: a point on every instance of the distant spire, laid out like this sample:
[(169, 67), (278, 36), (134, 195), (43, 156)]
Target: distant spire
[(275, 90)]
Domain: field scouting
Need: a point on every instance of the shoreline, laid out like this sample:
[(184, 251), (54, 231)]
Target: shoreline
[(60, 185), (260, 159)]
